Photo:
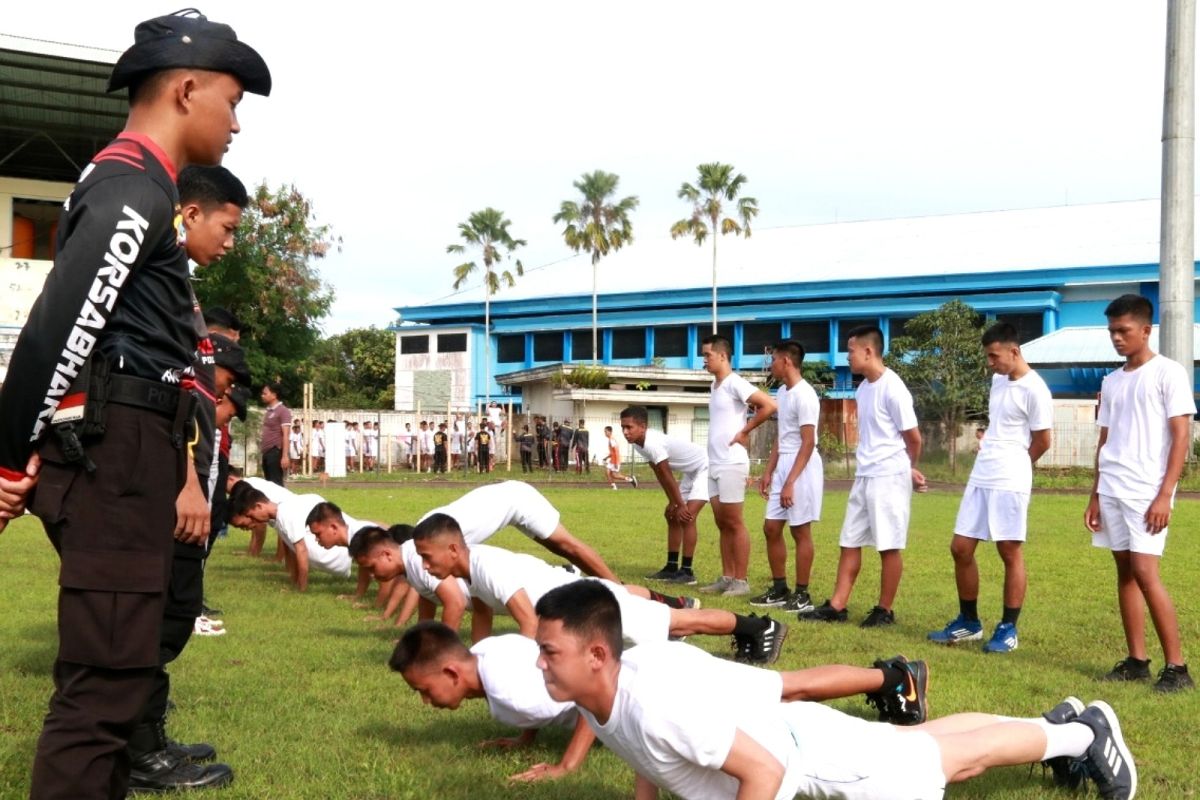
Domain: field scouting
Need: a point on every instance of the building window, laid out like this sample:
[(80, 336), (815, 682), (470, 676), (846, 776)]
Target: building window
[(510, 349), (847, 325), (548, 346), (452, 343), (758, 336), (897, 325), (629, 343), (705, 329), (1029, 326), (670, 342), (581, 345), (813, 336), (414, 345)]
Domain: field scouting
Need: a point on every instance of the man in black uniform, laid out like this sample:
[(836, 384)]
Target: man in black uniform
[(440, 442), (211, 200), (114, 380), (483, 443), (566, 436), (581, 445), (543, 440)]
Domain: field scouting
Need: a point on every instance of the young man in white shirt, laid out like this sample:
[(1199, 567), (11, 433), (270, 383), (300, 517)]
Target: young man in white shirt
[(685, 497), (793, 482), (503, 671), (332, 527), (389, 555), (877, 512), (503, 581), (995, 504), (1146, 411), (654, 708), (729, 401)]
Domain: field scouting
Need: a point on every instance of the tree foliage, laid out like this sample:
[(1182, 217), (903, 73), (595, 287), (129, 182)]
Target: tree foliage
[(941, 360), (717, 186), (270, 281), (354, 369), (597, 225)]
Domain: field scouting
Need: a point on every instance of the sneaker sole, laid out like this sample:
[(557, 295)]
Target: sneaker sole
[(970, 637), (1003, 648), (774, 604), (1119, 740)]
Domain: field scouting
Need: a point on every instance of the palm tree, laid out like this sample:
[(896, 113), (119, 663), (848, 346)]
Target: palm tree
[(717, 184), (597, 225), (487, 230)]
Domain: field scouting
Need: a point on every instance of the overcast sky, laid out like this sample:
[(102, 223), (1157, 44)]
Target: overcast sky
[(400, 119)]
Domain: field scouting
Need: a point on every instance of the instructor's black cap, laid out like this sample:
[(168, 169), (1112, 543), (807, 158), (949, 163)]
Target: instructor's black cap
[(181, 40), (240, 397), (229, 354)]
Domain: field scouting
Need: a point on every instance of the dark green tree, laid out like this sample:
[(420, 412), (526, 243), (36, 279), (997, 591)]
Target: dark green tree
[(354, 369), (717, 186), (942, 362), (270, 281), (599, 225)]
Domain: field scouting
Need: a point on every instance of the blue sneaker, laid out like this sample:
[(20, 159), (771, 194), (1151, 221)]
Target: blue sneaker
[(958, 630), (1004, 640)]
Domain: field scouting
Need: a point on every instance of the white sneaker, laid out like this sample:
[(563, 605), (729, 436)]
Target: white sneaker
[(208, 627)]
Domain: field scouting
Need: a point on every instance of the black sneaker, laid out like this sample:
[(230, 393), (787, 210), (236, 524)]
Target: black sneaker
[(1108, 761), (1129, 669), (665, 574), (1068, 772), (683, 577), (764, 647), (906, 704), (775, 596), (633, 480), (878, 617), (798, 602), (1173, 679), (824, 613)]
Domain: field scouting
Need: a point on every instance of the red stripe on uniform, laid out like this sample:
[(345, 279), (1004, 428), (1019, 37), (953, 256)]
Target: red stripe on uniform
[(11, 474), (73, 400), (116, 157)]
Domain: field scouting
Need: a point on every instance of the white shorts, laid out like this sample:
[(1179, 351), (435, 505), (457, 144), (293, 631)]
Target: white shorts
[(877, 512), (1123, 527), (839, 755), (532, 513), (642, 620), (992, 515), (694, 486), (806, 493), (727, 482)]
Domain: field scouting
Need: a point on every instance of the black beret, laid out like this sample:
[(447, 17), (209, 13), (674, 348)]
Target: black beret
[(229, 354), (178, 41), (240, 396), (223, 317)]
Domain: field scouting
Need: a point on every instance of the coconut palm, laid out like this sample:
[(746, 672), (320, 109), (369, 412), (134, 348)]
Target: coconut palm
[(487, 231), (597, 225), (717, 185)]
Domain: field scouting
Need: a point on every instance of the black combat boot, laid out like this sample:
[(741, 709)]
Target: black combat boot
[(158, 764)]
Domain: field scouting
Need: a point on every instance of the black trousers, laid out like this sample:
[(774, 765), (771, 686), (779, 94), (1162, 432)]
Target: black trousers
[(526, 461), (271, 465), (439, 459), (185, 596), (485, 458), (112, 530)]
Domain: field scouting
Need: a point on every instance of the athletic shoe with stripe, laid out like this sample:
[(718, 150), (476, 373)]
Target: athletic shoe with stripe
[(957, 630), (907, 703), (799, 602), (1004, 639), (764, 646), (1108, 761), (772, 597), (1068, 772)]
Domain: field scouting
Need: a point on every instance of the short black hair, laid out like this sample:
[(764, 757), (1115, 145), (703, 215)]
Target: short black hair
[(1136, 306), (222, 318), (436, 525), (367, 538), (585, 608), (211, 186), (1000, 333), (792, 349), (718, 343), (870, 335), (322, 512), (242, 498), (638, 414), (275, 386), (426, 644)]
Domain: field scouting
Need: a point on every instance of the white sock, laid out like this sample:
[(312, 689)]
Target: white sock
[(1070, 739)]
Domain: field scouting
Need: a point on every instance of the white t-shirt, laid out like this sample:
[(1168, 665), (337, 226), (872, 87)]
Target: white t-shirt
[(798, 406), (498, 574), (1136, 406), (515, 689), (673, 729), (885, 409), (1015, 410), (419, 578), (318, 443), (687, 457), (295, 444), (726, 416), (427, 441), (290, 516), (483, 512), (274, 492)]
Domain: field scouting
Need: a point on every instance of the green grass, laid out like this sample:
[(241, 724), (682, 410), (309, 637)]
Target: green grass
[(298, 699)]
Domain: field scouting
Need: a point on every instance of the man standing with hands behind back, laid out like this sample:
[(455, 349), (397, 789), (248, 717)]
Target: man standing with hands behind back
[(109, 345), (273, 447)]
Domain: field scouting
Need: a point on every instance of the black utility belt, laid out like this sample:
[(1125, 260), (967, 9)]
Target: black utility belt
[(154, 396)]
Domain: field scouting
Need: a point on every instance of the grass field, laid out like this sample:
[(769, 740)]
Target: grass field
[(298, 699)]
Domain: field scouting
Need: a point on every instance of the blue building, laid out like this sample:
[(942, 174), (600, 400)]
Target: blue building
[(1044, 270)]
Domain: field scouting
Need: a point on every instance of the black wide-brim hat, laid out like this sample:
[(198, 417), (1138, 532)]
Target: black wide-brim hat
[(180, 41), (229, 354), (240, 397)]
